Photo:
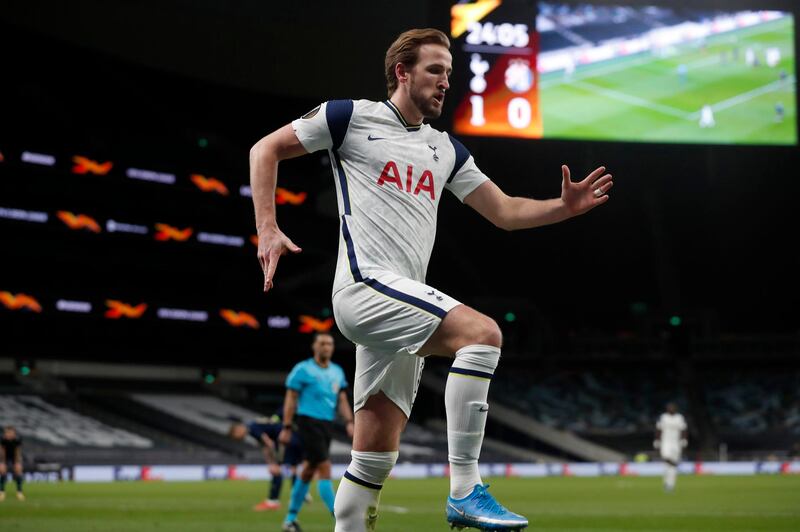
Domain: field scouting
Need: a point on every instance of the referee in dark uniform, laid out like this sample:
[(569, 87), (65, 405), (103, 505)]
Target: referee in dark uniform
[(11, 460)]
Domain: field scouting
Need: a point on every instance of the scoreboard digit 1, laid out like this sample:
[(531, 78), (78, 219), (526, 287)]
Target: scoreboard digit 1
[(498, 42)]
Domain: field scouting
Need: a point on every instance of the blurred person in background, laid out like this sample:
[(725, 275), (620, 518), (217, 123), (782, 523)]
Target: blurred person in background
[(11, 461), (671, 439), (265, 432), (315, 388)]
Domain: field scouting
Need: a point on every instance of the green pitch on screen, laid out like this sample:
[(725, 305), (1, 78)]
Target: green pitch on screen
[(608, 504), (644, 98)]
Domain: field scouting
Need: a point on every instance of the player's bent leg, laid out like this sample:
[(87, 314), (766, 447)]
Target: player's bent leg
[(378, 425), (375, 442), (474, 340), (462, 326)]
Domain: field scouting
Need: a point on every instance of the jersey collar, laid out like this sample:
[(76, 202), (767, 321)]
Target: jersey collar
[(399, 115)]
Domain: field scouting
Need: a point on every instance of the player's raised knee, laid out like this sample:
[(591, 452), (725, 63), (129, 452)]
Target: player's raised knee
[(484, 331)]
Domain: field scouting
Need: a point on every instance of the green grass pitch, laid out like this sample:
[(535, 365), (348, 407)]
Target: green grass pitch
[(574, 504), (642, 97)]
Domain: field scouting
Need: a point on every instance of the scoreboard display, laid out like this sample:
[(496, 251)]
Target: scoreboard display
[(687, 71), (498, 43)]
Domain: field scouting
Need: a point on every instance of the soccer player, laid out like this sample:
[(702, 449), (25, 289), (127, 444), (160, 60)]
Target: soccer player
[(11, 460), (707, 117), (390, 172), (671, 439), (314, 388), (779, 112), (266, 432)]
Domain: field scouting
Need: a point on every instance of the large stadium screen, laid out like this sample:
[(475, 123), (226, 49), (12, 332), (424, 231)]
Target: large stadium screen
[(657, 73)]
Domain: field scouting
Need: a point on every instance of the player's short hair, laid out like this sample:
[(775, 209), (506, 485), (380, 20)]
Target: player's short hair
[(232, 429), (317, 334), (405, 49)]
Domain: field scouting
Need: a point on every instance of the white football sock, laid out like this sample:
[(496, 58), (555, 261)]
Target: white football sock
[(670, 474), (359, 492), (465, 403)]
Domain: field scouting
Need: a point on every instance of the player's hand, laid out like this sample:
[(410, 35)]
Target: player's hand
[(272, 243), (349, 427), (274, 469), (285, 436), (585, 195)]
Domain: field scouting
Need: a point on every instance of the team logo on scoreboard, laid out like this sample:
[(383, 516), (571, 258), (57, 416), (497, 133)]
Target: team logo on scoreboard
[(519, 76), (479, 67)]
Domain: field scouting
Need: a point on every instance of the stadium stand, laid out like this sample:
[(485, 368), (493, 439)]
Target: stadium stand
[(540, 415), (563, 26)]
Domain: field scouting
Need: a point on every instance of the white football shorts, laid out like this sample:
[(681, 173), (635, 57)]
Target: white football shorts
[(389, 318), (671, 452)]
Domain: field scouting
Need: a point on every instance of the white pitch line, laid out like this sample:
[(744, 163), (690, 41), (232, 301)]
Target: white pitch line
[(597, 70), (395, 509), (632, 100), (745, 96)]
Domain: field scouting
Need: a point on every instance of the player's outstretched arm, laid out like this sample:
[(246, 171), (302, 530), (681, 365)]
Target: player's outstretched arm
[(512, 213), (264, 158)]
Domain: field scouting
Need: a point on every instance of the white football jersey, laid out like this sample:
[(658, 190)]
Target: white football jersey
[(389, 178), (671, 427)]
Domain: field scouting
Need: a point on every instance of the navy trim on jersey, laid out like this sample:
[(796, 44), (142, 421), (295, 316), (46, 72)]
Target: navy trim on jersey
[(338, 114), (411, 300), (399, 115), (462, 154), (342, 181), (380, 287), (471, 373), (360, 482), (351, 252)]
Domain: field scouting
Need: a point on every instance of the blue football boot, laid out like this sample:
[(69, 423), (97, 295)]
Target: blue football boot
[(480, 510)]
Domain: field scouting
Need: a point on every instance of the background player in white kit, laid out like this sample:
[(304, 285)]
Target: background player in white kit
[(390, 170), (671, 439)]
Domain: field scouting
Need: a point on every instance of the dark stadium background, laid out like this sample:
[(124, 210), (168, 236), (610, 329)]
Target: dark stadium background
[(706, 234)]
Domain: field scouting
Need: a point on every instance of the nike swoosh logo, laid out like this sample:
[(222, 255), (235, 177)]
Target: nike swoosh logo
[(375, 138), (483, 410), (458, 510)]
